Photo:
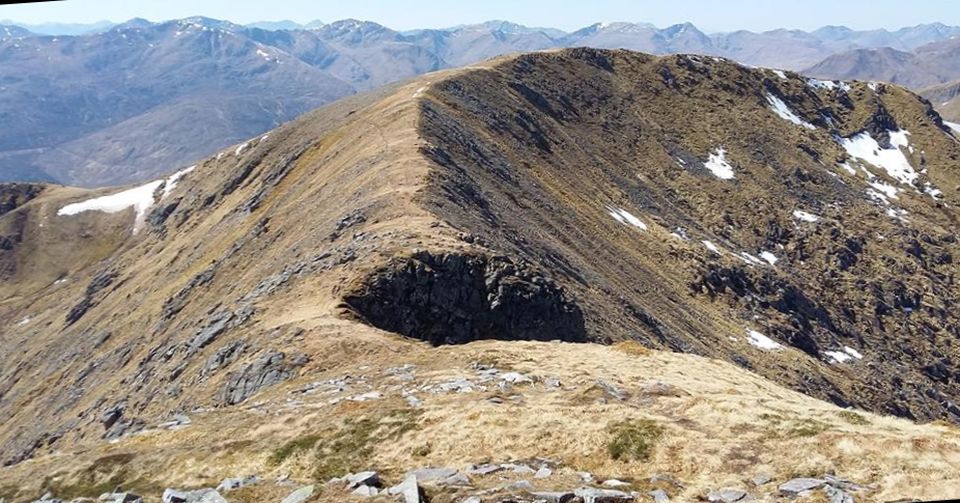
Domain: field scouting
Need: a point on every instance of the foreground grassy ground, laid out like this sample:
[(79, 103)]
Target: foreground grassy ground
[(618, 411)]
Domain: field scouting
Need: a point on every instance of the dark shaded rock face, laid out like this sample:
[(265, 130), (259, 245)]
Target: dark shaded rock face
[(13, 195), (455, 299)]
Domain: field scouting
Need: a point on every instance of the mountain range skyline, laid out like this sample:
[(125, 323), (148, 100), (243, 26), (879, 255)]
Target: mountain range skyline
[(74, 29), (125, 122), (752, 15)]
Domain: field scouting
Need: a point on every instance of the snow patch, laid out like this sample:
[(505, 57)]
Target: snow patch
[(848, 168), (769, 257), (140, 198), (625, 217), (712, 247), (933, 191), (838, 356), (750, 259), (241, 148), (852, 352), (718, 165), (779, 73), (781, 109), (891, 160), (806, 217), (953, 126), (828, 84), (24, 321), (171, 182), (885, 188), (761, 341)]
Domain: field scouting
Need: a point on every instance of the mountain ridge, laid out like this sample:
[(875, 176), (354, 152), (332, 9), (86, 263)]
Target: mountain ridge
[(507, 188), (87, 147)]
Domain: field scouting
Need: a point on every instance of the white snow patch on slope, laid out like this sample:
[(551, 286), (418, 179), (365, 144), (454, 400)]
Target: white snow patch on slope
[(838, 356), (885, 188), (806, 217), (240, 148), (828, 84), (717, 164), (933, 191), (781, 109), (848, 168), (953, 126), (844, 356), (892, 160), (24, 321), (712, 247), (761, 341), (769, 257), (852, 352), (750, 259), (140, 198), (779, 73), (171, 182), (625, 217)]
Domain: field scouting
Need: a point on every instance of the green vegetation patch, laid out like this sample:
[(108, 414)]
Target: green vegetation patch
[(634, 439)]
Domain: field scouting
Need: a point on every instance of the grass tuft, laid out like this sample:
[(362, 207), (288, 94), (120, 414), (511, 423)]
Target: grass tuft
[(633, 440), (853, 418), (302, 444)]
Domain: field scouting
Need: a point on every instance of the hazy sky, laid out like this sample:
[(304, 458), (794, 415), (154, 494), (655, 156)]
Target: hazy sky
[(709, 15)]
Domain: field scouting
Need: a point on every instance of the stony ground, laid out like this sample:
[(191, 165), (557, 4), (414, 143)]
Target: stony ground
[(500, 420)]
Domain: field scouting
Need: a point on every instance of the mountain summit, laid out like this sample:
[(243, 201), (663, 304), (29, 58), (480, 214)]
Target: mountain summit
[(800, 229)]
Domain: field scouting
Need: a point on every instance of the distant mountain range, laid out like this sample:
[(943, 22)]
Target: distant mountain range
[(122, 103)]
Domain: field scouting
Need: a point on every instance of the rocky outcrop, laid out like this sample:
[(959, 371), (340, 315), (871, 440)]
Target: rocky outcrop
[(14, 195), (454, 298), (268, 369)]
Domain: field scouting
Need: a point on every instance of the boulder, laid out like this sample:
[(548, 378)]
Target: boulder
[(726, 496), (543, 472), (520, 485), (365, 491), (553, 496), (795, 486), (432, 474), (120, 498), (760, 479), (456, 480), (408, 489), (594, 495), (659, 496), (237, 483), (515, 378), (837, 495), (614, 483), (300, 495), (198, 496), (354, 480), (484, 469), (523, 470)]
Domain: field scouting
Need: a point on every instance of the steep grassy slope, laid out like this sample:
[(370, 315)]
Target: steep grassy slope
[(535, 154), (686, 203)]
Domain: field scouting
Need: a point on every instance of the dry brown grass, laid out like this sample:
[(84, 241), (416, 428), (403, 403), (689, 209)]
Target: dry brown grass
[(730, 425)]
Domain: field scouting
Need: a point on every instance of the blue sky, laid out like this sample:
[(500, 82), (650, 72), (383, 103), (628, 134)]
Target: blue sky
[(715, 15)]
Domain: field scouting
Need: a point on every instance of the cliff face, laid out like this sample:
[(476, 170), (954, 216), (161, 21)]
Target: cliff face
[(801, 229)]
